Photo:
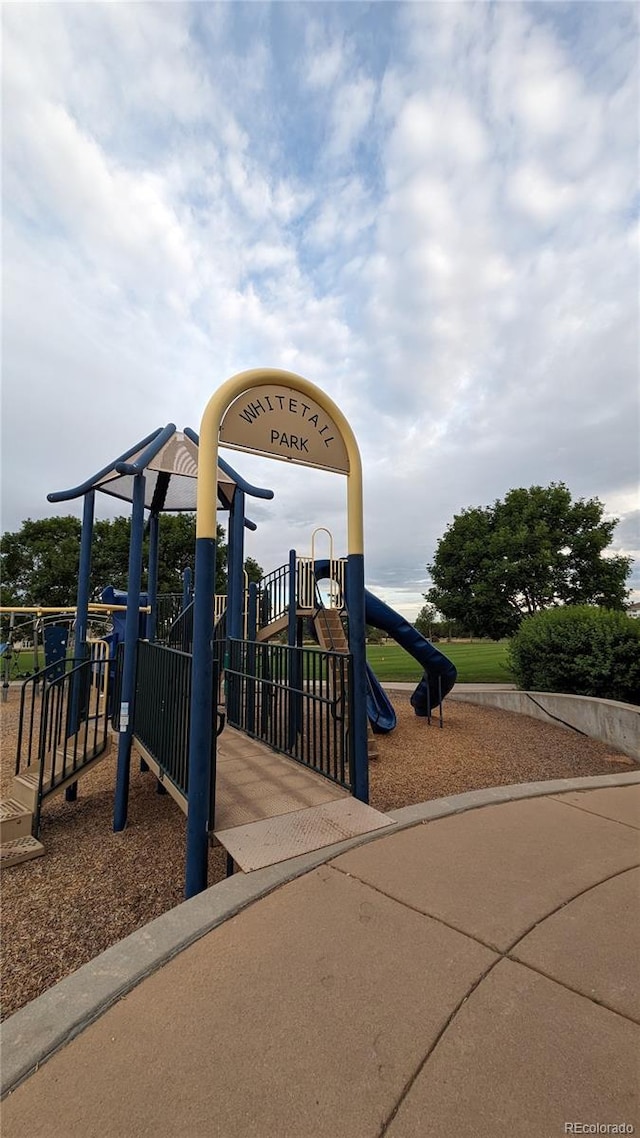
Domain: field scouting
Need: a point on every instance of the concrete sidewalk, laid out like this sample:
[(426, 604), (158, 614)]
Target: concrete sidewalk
[(472, 975)]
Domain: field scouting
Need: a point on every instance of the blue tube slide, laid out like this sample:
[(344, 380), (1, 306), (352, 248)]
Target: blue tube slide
[(439, 673), (380, 712)]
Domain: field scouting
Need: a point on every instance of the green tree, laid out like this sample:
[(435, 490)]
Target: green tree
[(110, 555), (534, 550), (39, 562), (254, 571), (426, 619)]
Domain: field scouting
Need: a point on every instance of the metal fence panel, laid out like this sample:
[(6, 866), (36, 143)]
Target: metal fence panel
[(161, 710), (296, 700)]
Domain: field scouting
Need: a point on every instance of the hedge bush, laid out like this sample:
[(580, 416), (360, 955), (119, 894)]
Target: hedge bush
[(580, 650)]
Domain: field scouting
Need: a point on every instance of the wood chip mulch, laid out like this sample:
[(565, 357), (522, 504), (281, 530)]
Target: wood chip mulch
[(94, 887)]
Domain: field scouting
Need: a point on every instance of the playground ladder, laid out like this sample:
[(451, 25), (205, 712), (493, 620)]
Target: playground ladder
[(17, 813), (330, 630), (332, 637)]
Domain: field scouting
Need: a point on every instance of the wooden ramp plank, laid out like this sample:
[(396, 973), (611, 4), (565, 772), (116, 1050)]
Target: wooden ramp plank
[(272, 840), (253, 783)]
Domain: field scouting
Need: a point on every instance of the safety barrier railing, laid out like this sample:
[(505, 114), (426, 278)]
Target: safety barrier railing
[(169, 608), (273, 596), (274, 590), (73, 727), (161, 709), (180, 634), (161, 716), (29, 717), (306, 590), (99, 652), (296, 700), (34, 691)]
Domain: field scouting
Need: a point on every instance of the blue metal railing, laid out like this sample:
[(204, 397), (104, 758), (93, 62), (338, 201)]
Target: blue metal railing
[(63, 728), (296, 700)]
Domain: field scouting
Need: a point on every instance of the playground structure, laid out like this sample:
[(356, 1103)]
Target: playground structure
[(50, 630), (212, 705)]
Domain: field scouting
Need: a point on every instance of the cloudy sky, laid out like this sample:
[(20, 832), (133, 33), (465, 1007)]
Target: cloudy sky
[(429, 210)]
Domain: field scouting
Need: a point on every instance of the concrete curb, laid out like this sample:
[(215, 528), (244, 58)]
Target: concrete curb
[(33, 1034)]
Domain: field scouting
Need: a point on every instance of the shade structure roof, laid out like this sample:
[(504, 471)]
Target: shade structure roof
[(170, 478), (168, 458)]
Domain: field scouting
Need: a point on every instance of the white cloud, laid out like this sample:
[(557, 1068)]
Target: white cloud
[(352, 110), (436, 221), (323, 67), (533, 191)]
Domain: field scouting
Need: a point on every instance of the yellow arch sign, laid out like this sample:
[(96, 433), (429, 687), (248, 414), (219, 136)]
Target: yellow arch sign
[(284, 423), (278, 414)]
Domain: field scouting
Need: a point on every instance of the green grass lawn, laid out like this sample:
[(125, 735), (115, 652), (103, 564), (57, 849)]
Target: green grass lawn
[(484, 662), (21, 662), (481, 662)]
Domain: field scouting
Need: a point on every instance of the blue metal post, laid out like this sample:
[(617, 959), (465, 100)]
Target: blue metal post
[(130, 655), (252, 624), (231, 580), (202, 765), (235, 592), (82, 615), (293, 600), (235, 587), (84, 572), (152, 590), (357, 647), (186, 587), (293, 671)]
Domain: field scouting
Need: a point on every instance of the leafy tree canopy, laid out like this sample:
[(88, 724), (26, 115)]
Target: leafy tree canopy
[(534, 550), (39, 563), (253, 570), (425, 620)]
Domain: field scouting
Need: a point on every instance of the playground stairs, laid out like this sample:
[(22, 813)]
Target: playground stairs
[(17, 842), (330, 630), (333, 638), (18, 811), (268, 631)]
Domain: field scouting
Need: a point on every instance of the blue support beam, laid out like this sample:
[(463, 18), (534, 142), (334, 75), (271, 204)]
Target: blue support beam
[(202, 766), (82, 617), (357, 647), (252, 625), (187, 577), (235, 567), (294, 677), (152, 588), (84, 573), (152, 443), (130, 655)]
